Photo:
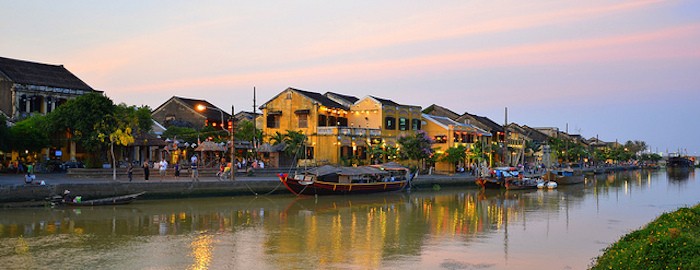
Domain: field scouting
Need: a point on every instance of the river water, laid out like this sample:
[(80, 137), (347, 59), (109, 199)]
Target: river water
[(424, 229)]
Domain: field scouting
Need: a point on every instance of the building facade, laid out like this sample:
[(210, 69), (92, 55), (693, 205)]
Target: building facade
[(340, 129), (447, 133), (30, 87)]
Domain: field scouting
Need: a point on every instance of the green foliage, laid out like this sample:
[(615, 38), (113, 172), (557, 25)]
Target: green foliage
[(246, 131), (654, 157), (143, 116), (80, 116), (276, 138), (672, 241), (30, 134), (416, 147), (455, 155), (5, 139), (294, 141)]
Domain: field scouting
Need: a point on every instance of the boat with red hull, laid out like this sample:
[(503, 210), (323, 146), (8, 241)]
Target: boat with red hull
[(329, 180)]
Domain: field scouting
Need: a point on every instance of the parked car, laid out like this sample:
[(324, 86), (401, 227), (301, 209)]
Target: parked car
[(72, 164)]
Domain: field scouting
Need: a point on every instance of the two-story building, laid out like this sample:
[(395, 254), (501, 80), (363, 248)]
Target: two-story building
[(339, 128), (447, 133), (28, 88)]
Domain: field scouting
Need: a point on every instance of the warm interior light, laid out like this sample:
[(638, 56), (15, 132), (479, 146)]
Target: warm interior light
[(201, 107)]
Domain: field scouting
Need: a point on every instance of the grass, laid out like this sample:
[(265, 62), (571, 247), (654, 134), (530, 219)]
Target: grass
[(672, 241)]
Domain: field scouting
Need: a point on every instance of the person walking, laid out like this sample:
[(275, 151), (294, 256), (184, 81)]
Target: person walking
[(145, 169), (195, 173), (177, 170), (130, 171), (163, 168)]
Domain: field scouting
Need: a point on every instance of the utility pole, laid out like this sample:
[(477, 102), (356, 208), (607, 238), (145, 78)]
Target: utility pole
[(255, 128), (233, 146)]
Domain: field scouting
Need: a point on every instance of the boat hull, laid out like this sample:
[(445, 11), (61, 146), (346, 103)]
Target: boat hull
[(489, 183), (126, 199), (299, 187)]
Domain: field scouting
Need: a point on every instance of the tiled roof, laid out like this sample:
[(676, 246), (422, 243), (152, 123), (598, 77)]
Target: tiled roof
[(31, 73), (209, 114), (323, 100), (385, 102), (485, 121), (350, 99), (440, 111)]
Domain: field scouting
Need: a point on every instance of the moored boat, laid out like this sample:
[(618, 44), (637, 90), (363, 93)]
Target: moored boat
[(564, 177), (330, 180), (519, 184), (77, 201), (677, 163), (496, 178)]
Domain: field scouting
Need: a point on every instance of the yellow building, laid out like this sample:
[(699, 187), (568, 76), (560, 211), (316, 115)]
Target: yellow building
[(339, 128), (447, 133)]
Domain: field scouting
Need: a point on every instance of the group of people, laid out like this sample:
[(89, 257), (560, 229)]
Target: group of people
[(162, 168)]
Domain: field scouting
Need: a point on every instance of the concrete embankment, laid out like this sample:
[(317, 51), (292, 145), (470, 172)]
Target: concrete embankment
[(14, 193)]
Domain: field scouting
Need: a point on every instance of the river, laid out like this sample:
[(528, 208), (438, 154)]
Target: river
[(450, 228)]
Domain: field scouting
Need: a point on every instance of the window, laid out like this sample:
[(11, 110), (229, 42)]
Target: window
[(343, 122), (273, 121), (332, 121), (309, 152), (303, 120), (390, 123), (403, 123), (415, 124), (440, 139), (322, 120)]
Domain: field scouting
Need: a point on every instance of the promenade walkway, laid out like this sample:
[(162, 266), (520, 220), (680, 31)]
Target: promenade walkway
[(13, 189)]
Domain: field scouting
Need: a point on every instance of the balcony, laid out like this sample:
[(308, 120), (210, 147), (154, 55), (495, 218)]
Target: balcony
[(348, 131)]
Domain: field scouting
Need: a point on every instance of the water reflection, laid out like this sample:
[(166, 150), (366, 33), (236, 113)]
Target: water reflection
[(366, 232)]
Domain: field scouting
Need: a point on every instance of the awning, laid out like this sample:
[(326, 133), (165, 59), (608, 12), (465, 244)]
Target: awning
[(274, 113), (307, 111)]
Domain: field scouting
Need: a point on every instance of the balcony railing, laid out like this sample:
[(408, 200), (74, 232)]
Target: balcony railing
[(348, 131)]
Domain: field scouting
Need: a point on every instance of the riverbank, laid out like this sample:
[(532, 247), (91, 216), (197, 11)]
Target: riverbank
[(14, 193), (672, 241)]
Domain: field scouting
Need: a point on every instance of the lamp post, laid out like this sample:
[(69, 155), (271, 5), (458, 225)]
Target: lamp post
[(200, 108)]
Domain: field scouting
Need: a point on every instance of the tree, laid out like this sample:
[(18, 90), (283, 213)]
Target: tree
[(79, 117), (417, 147), (117, 129), (5, 136), (246, 131), (276, 138), (294, 141), (455, 155), (29, 134)]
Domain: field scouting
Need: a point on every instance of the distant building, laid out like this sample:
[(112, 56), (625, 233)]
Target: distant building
[(182, 112), (30, 87)]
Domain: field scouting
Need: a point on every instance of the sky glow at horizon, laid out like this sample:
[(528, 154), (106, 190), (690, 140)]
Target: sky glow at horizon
[(619, 70)]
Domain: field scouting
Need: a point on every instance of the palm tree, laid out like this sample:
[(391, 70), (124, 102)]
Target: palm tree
[(277, 138), (294, 141)]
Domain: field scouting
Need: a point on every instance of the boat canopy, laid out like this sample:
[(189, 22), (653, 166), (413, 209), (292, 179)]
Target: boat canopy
[(346, 171)]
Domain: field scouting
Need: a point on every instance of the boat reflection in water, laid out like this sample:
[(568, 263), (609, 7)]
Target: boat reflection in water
[(451, 228)]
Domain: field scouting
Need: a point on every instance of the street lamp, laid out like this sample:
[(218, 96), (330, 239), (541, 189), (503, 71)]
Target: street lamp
[(200, 108)]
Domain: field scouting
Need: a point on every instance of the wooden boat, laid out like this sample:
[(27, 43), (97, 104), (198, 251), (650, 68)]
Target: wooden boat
[(124, 199), (519, 184), (496, 178), (330, 180), (565, 177), (678, 164)]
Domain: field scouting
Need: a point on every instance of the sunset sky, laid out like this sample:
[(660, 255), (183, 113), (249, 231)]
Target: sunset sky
[(619, 70)]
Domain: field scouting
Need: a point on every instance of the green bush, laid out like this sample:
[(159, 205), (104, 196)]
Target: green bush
[(672, 241)]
